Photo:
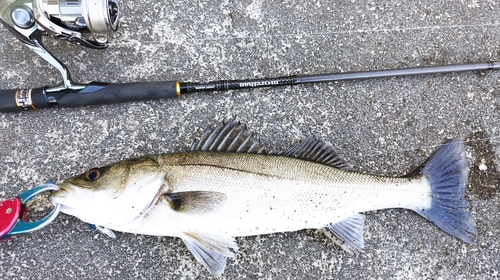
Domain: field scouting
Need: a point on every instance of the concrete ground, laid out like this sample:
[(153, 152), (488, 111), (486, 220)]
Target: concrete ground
[(384, 127)]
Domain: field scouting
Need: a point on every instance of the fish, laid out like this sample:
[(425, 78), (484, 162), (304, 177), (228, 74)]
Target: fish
[(231, 184)]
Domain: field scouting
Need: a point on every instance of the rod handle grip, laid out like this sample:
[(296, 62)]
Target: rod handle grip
[(17, 100), (97, 93)]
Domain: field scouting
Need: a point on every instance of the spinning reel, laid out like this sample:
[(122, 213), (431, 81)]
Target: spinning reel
[(83, 22)]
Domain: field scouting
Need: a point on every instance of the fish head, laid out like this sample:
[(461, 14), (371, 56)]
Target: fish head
[(112, 195)]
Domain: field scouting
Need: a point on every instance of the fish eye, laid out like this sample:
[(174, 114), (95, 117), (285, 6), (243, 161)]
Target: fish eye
[(93, 174)]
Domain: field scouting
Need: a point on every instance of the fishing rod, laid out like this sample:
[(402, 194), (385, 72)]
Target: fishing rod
[(29, 20)]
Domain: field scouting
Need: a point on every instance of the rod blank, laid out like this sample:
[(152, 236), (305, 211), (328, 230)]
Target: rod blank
[(397, 72)]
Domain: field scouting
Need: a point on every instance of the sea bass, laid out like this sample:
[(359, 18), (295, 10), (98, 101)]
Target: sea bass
[(230, 184)]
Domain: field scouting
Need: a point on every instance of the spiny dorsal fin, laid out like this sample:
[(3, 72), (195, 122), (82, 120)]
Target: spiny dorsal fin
[(230, 137), (315, 150)]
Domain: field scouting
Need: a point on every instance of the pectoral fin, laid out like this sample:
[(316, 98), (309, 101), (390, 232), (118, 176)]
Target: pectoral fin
[(195, 201), (348, 233), (210, 250)]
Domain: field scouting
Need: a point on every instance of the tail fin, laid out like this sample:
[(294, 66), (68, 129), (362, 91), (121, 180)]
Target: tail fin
[(447, 171)]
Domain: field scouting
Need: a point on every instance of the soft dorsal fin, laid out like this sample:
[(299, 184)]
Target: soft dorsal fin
[(230, 137), (312, 149)]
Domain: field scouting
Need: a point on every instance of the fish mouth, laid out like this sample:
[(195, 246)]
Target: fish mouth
[(58, 197), (55, 195)]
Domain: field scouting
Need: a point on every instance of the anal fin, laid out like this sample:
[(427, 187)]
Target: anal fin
[(211, 250), (348, 233)]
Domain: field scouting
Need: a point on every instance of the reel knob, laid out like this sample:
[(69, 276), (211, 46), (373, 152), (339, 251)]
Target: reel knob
[(23, 17)]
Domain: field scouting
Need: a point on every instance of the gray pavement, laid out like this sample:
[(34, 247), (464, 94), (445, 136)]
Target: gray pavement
[(384, 126)]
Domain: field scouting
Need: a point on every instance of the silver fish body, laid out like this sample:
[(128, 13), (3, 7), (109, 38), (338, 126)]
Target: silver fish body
[(208, 196), (251, 194)]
